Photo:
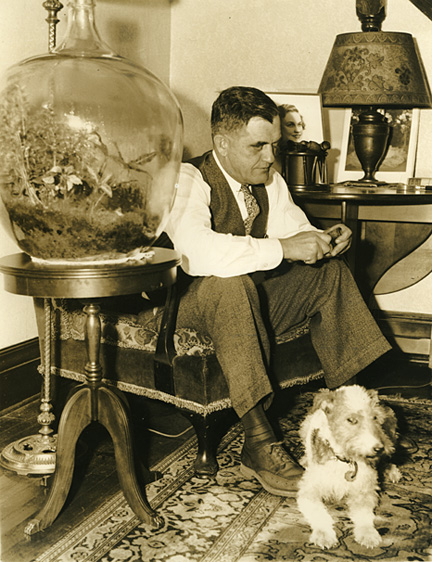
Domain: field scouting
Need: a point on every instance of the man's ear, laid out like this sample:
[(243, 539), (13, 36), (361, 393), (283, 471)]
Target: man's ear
[(221, 144)]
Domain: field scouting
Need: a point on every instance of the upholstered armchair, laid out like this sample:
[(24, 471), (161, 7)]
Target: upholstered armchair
[(144, 354)]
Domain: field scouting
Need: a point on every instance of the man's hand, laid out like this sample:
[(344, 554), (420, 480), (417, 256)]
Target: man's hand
[(312, 246), (341, 239), (309, 247)]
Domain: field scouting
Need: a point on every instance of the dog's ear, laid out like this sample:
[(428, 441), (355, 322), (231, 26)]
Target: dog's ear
[(321, 450), (324, 400), (389, 424), (373, 395), (316, 438), (386, 420)]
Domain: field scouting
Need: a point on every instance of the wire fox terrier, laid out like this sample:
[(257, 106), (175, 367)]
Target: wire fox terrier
[(348, 435)]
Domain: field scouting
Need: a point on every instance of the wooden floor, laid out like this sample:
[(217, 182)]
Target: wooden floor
[(95, 477)]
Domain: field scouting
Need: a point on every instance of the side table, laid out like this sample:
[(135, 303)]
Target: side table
[(373, 251), (91, 401)]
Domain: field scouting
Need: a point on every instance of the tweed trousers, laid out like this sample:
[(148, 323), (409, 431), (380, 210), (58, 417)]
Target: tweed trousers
[(242, 315)]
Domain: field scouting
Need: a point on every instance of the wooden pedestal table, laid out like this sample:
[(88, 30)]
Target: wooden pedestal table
[(91, 401), (388, 222)]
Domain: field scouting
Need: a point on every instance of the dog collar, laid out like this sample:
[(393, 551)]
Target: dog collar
[(351, 474)]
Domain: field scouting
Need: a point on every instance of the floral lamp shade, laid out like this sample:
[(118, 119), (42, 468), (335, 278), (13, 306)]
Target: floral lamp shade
[(374, 69), (379, 68)]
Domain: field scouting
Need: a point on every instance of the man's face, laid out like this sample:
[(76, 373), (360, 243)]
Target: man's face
[(248, 153)]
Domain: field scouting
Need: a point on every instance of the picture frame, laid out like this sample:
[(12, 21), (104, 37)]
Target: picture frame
[(399, 161), (309, 107)]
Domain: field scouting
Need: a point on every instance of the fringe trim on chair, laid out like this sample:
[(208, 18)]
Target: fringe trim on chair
[(153, 394), (294, 333), (302, 380), (175, 400), (195, 407)]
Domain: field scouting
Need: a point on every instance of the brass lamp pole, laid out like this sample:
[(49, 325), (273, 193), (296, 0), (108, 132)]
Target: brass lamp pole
[(36, 454), (52, 7)]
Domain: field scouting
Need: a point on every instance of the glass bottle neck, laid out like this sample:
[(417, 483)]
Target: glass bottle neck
[(82, 37)]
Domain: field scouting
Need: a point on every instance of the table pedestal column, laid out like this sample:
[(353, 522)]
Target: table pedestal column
[(90, 402)]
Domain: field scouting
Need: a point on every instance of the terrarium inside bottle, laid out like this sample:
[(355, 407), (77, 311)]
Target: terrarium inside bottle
[(90, 149)]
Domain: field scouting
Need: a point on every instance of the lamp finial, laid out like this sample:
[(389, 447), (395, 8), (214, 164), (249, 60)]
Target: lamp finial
[(371, 13)]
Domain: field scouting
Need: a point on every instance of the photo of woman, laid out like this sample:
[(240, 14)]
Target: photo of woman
[(292, 123), (301, 117)]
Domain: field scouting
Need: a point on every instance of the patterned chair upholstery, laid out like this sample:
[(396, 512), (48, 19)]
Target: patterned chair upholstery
[(175, 366)]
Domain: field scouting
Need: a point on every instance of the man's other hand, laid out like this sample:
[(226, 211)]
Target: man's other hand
[(312, 246), (341, 239)]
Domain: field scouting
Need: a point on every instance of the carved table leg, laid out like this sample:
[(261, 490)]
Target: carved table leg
[(109, 408), (75, 417), (113, 415), (93, 402)]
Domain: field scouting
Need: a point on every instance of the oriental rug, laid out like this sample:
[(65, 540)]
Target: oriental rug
[(230, 519)]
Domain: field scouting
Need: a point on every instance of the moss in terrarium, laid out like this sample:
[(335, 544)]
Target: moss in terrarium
[(44, 158), (53, 235), (69, 192)]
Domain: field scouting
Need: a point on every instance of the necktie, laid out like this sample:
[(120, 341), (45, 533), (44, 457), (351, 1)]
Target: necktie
[(252, 207)]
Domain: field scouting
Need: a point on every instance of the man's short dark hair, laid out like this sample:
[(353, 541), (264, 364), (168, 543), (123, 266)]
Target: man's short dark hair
[(237, 105)]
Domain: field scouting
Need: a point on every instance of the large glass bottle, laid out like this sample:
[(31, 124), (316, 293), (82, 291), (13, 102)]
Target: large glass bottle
[(90, 149)]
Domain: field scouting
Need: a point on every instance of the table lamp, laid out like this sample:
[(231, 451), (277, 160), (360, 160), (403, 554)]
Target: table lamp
[(372, 70)]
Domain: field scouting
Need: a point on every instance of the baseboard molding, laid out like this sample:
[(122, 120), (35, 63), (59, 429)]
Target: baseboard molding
[(410, 332), (19, 377)]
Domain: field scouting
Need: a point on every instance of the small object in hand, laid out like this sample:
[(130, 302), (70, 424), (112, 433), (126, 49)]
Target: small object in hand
[(335, 233)]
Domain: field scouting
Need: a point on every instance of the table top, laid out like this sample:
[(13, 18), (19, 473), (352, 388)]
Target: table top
[(396, 194), (23, 276)]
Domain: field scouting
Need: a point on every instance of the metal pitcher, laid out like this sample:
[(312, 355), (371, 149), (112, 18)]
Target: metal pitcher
[(304, 165)]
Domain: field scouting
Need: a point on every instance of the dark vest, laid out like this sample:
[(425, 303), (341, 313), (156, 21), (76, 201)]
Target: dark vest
[(225, 214)]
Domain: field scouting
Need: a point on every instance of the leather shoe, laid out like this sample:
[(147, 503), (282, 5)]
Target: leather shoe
[(272, 466)]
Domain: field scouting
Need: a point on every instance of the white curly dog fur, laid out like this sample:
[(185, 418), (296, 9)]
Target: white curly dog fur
[(348, 435)]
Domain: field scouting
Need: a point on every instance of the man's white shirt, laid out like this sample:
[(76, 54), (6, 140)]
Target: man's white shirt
[(206, 252)]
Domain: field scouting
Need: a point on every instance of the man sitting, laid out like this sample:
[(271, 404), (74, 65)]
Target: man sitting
[(255, 267)]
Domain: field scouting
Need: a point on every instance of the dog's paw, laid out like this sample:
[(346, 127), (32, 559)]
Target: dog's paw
[(367, 536), (324, 538), (392, 474)]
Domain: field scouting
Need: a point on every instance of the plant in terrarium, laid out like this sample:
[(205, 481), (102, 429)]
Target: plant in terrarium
[(51, 164)]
